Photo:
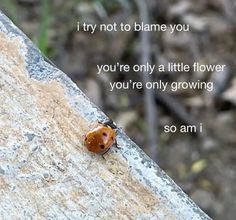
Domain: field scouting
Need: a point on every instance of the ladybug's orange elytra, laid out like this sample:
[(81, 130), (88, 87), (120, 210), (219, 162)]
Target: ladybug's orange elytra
[(101, 137)]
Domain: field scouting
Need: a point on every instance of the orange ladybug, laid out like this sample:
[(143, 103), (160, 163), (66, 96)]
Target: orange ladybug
[(100, 139)]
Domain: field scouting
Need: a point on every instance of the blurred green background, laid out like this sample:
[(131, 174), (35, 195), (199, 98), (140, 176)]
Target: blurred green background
[(203, 165)]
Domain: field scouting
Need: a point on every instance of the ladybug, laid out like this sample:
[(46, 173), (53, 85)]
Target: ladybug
[(101, 137)]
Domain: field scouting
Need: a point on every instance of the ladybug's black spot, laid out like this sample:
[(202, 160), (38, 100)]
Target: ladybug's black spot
[(104, 134), (102, 146)]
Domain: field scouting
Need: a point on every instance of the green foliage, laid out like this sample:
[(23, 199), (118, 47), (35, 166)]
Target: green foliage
[(10, 9), (112, 4), (43, 35), (198, 166)]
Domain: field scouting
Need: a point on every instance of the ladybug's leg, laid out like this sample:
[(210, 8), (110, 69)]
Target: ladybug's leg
[(105, 153), (103, 156), (84, 138), (116, 145)]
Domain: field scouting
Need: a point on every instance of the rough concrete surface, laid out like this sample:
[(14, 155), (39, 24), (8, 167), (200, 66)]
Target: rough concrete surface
[(46, 172)]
